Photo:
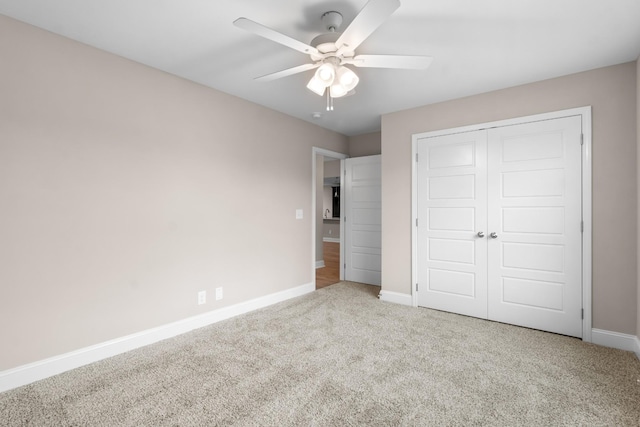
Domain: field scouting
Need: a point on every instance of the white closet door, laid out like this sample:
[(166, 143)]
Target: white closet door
[(363, 219), (452, 210), (534, 207)]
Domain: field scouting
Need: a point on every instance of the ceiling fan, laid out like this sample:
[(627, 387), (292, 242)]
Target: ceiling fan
[(331, 52)]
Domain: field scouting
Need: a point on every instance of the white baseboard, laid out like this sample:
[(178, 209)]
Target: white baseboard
[(42, 369), (320, 264), (396, 297), (616, 340), (331, 239)]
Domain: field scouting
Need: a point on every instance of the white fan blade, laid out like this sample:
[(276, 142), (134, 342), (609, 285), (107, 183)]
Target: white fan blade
[(268, 33), (391, 61), (372, 15), (287, 72)]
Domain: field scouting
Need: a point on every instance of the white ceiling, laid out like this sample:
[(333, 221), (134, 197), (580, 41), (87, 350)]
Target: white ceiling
[(478, 46)]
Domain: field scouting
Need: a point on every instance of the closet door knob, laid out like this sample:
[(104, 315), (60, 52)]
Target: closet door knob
[(494, 235), (480, 234)]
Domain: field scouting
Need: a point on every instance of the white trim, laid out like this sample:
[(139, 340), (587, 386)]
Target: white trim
[(395, 297), (585, 114), (330, 240), (414, 221), (320, 264), (315, 151), (616, 340), (42, 369), (343, 196), (580, 111)]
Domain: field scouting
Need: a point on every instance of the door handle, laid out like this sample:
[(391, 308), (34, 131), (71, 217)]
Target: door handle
[(494, 235), (480, 234)]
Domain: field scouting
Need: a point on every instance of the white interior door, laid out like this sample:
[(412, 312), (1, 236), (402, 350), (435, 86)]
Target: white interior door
[(452, 210), (535, 277), (521, 185), (363, 220)]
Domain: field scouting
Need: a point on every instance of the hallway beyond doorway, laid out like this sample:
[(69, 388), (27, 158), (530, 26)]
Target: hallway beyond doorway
[(330, 273)]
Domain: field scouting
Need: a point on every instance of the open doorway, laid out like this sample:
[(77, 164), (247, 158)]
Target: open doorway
[(327, 229)]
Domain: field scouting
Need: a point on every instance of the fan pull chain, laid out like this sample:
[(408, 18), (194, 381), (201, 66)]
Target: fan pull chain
[(329, 101)]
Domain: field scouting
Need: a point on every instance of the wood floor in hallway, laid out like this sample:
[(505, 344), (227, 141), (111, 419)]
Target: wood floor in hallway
[(330, 273)]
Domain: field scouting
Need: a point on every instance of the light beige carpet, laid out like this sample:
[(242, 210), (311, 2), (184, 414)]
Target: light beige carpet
[(339, 356)]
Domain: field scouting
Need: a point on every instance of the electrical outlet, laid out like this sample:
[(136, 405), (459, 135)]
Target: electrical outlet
[(219, 293), (202, 297)]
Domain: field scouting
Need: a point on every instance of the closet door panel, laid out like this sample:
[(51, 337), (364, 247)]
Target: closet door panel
[(452, 209), (534, 209)]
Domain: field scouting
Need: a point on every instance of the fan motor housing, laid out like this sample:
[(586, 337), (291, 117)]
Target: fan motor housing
[(325, 43)]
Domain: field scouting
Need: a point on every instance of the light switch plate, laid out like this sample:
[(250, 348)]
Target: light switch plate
[(299, 214)]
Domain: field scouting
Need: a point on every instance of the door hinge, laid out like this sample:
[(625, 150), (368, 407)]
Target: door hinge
[(416, 157), (582, 313), (581, 139), (345, 219), (416, 222), (416, 287), (582, 226)]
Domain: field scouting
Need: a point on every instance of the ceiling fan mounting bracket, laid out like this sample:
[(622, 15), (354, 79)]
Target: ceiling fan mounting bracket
[(332, 20)]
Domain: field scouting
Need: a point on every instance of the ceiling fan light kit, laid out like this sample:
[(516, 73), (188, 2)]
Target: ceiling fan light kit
[(330, 52), (347, 78), (326, 73), (339, 79), (316, 85)]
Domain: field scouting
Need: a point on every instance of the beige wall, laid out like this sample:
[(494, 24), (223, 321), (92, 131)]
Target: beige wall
[(611, 92), (331, 229), (327, 202), (368, 144), (126, 190), (332, 168)]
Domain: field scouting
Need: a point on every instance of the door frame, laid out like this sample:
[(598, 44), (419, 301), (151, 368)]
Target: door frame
[(585, 114), (315, 152)]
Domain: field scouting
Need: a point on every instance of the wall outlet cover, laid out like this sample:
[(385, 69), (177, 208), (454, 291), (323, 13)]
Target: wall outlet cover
[(202, 297)]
